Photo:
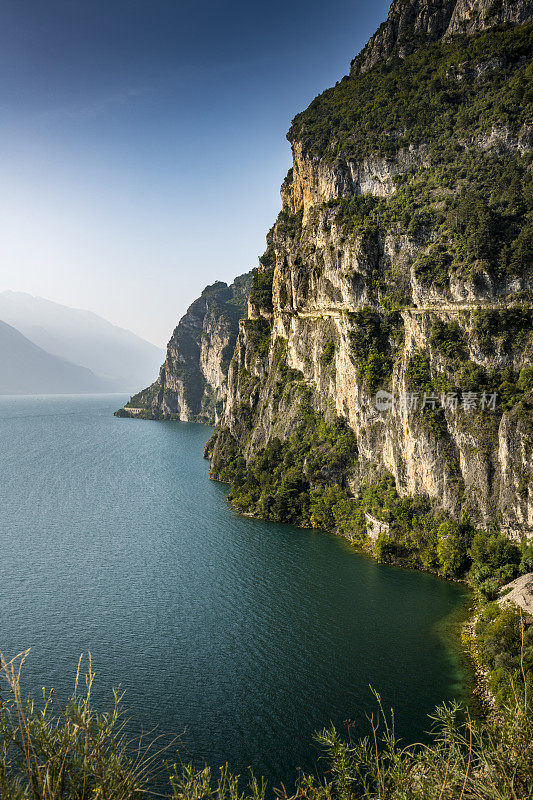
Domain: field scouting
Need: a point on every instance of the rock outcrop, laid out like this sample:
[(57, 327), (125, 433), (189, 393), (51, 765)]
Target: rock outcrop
[(415, 23), (191, 385), (313, 181), (519, 592)]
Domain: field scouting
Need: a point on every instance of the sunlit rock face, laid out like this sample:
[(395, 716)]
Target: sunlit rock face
[(484, 468), (520, 593), (333, 274)]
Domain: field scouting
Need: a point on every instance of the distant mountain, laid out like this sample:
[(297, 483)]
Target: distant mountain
[(27, 369), (122, 359)]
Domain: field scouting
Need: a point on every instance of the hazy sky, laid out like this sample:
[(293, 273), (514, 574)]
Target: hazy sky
[(143, 142)]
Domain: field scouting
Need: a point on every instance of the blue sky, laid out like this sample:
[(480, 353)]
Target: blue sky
[(144, 142)]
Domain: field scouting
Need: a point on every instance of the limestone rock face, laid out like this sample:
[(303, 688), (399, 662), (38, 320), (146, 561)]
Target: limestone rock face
[(484, 467), (519, 592), (191, 384), (515, 460), (412, 23), (354, 312), (313, 181)]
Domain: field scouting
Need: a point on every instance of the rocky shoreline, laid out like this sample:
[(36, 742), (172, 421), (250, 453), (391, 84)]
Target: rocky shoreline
[(481, 688)]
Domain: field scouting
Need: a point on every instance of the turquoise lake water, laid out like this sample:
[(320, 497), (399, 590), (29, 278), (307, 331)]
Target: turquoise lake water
[(244, 636)]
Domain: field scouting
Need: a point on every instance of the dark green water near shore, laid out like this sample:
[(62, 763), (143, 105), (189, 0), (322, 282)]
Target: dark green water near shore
[(244, 635)]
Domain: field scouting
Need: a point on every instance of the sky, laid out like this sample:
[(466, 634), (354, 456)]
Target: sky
[(143, 141)]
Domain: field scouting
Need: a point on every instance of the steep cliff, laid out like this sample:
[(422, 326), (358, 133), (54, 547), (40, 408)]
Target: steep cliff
[(413, 23), (389, 328), (191, 384)]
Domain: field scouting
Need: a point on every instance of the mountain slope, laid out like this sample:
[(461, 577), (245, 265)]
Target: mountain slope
[(401, 263), (118, 356), (192, 382), (27, 369)]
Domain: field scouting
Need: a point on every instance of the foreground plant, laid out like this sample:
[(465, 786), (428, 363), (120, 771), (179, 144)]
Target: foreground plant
[(467, 760), (73, 752)]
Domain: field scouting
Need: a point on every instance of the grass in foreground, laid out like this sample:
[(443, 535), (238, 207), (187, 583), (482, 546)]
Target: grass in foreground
[(74, 752)]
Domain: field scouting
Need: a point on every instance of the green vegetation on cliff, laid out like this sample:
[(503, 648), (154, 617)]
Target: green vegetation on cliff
[(470, 210), (375, 339), (453, 120), (285, 480), (441, 94), (504, 647), (261, 291)]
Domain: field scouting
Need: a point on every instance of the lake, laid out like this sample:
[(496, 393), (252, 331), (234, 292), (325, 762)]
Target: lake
[(243, 636)]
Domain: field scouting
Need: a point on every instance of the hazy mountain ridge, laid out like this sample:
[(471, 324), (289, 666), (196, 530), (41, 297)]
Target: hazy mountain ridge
[(120, 359), (26, 368)]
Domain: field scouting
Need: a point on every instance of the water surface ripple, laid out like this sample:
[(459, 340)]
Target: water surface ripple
[(247, 635)]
